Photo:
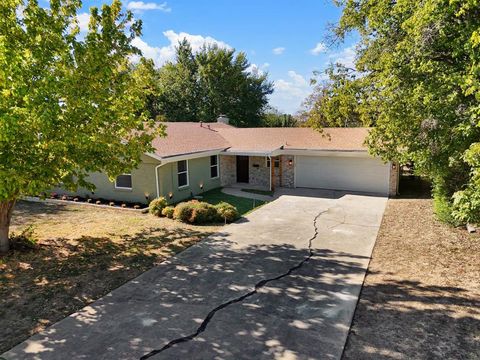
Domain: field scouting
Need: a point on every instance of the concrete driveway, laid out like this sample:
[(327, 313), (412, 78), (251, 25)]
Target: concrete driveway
[(281, 284)]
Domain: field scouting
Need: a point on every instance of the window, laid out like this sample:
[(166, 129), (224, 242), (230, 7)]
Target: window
[(214, 166), (182, 172), (123, 181), (276, 162)]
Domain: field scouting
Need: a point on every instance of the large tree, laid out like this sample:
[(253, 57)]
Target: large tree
[(69, 105), (418, 73), (200, 86)]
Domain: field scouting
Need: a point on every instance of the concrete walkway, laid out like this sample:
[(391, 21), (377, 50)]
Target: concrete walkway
[(282, 284), (246, 194)]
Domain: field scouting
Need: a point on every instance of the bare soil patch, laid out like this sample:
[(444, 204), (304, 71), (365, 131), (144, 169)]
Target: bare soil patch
[(421, 296), (84, 253)]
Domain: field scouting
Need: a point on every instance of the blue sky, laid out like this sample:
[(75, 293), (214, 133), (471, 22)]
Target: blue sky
[(286, 38)]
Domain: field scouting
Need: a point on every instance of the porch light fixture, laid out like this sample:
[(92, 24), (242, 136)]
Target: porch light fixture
[(290, 162), (170, 195), (201, 185), (147, 196), (394, 166)]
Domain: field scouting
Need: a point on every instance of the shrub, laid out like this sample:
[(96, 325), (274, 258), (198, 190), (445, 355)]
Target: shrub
[(168, 211), (157, 205), (195, 212), (226, 212), (442, 206), (25, 240), (203, 213)]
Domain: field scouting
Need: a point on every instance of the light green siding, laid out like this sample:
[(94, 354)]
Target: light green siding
[(198, 173), (143, 182)]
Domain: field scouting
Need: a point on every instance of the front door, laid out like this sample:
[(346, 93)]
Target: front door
[(242, 169)]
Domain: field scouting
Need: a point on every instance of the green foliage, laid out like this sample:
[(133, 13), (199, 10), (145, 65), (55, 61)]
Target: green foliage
[(274, 118), (442, 206), (199, 212), (25, 240), (418, 77), (68, 107), (200, 86), (168, 211), (195, 212), (336, 102), (157, 206), (227, 212)]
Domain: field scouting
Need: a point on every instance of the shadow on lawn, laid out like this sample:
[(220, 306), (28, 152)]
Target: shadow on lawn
[(295, 314), (41, 287), (416, 321)]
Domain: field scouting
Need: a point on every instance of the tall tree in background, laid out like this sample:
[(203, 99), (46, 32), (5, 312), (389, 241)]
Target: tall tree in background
[(275, 118), (419, 63), (68, 107), (200, 86), (337, 101)]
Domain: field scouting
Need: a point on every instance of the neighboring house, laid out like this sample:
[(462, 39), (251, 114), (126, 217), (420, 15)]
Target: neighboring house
[(197, 157)]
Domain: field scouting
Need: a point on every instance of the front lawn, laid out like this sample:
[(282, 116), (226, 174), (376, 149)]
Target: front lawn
[(84, 252), (242, 204)]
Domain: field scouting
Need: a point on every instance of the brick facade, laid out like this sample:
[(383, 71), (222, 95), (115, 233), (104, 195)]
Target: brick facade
[(259, 173), (228, 170)]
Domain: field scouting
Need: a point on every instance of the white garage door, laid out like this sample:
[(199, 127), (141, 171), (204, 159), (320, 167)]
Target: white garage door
[(342, 173)]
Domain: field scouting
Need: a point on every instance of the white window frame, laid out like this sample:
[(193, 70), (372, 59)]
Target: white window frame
[(122, 187), (183, 172), (217, 166)]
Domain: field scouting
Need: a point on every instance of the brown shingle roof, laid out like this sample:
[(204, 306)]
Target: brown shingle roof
[(269, 139), (187, 138), (190, 137)]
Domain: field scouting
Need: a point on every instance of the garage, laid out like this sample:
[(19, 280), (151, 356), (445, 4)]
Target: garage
[(343, 173)]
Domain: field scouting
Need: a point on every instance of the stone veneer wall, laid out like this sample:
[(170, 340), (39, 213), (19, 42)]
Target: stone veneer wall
[(228, 170), (259, 173), (394, 179), (288, 171)]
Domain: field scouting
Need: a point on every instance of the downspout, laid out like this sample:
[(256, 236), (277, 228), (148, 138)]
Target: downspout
[(270, 171), (157, 183)]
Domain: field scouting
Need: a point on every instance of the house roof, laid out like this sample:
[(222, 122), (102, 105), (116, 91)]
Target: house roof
[(193, 137), (188, 138)]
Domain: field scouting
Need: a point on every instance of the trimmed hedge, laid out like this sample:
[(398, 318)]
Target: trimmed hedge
[(227, 212), (157, 205), (195, 212), (168, 211)]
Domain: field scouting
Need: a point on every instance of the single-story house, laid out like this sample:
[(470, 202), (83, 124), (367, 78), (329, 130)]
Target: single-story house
[(197, 157)]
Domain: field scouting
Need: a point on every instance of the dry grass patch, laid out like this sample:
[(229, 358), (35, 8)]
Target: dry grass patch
[(84, 252), (421, 296)]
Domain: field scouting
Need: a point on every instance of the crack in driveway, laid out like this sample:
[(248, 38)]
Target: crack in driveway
[(258, 285)]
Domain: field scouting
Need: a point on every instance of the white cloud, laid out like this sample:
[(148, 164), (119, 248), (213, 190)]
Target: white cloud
[(258, 69), (319, 48), (83, 19), (139, 6), (346, 57), (160, 55), (289, 93), (278, 50)]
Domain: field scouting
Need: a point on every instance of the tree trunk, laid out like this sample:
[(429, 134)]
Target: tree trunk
[(6, 210)]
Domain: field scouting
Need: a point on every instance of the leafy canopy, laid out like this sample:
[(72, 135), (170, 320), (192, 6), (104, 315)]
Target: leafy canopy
[(418, 78), (200, 86), (68, 105)]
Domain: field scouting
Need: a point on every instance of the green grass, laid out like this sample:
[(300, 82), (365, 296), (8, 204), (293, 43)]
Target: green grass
[(242, 204), (259, 192)]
